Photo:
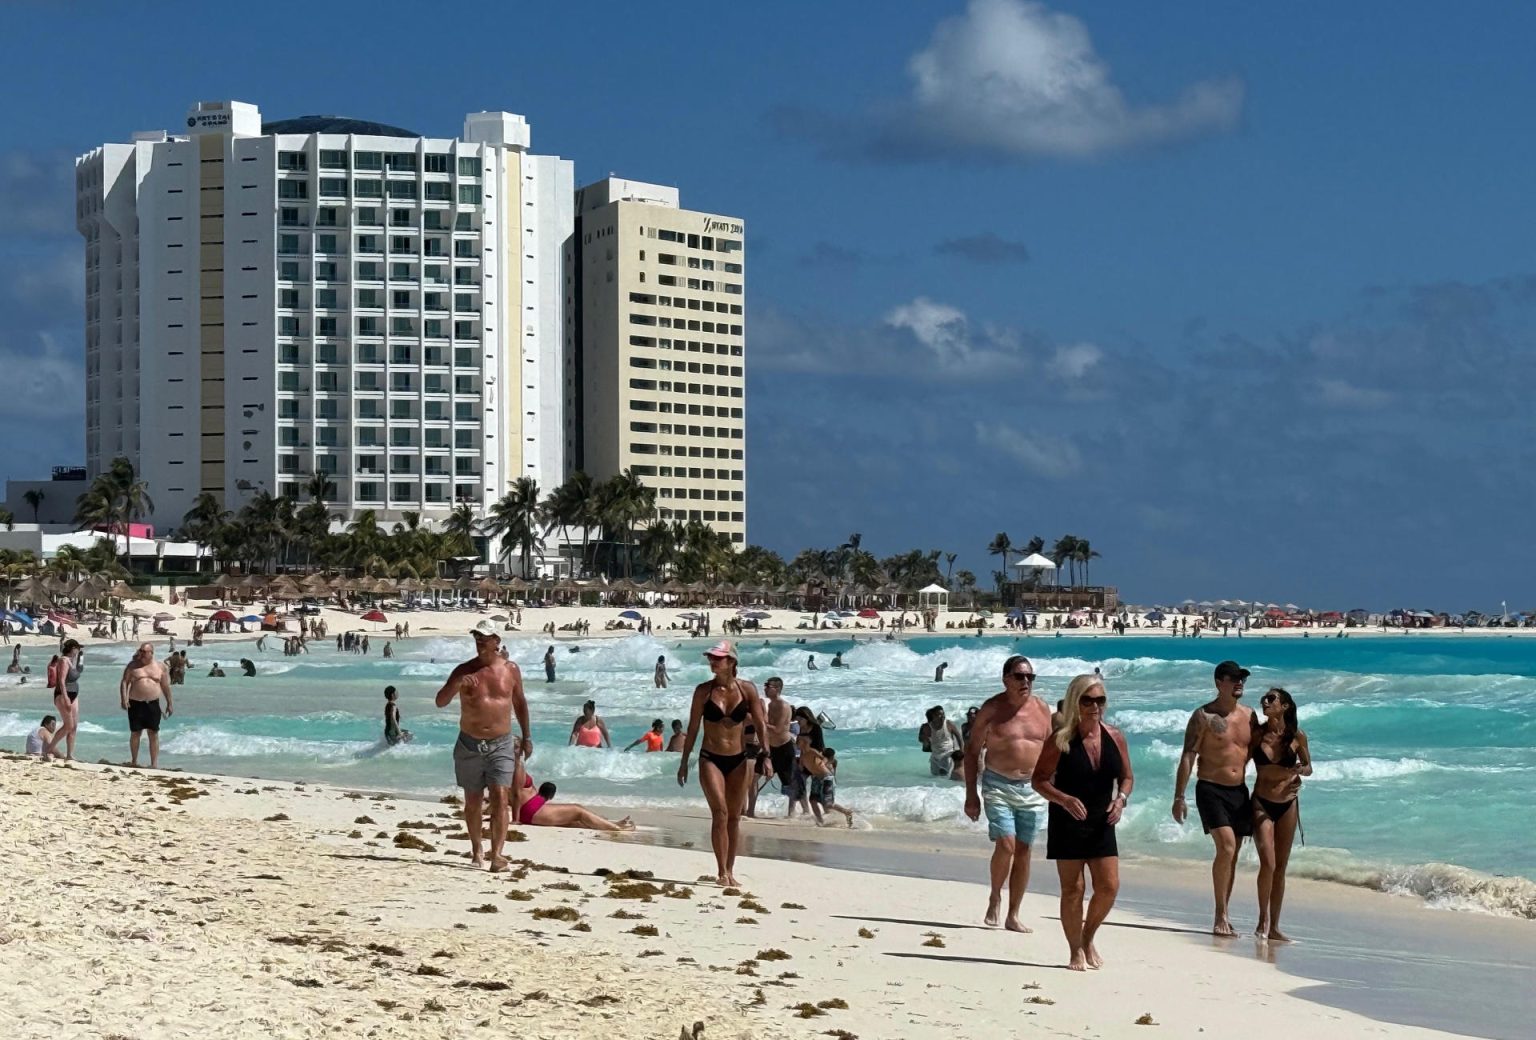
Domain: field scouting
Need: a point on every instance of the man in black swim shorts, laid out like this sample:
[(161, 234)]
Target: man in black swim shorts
[(144, 682), (1216, 743)]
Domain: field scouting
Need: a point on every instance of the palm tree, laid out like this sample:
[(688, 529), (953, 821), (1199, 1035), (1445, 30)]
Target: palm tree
[(659, 548), (515, 520), (8, 519), (1001, 545), (34, 498), (320, 487), (967, 582), (1064, 552), (949, 569), (1082, 552)]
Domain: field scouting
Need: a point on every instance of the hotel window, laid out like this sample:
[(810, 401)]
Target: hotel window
[(288, 326), (325, 271), (333, 187), (469, 166), (401, 162), (288, 216), (287, 245), (435, 163), (469, 194), (288, 298), (366, 216), (402, 244), (401, 298), (402, 218), (325, 409), (400, 491), (368, 161), (325, 243), (325, 297), (464, 330), (333, 159), (325, 326), (439, 191), (292, 161), (288, 271), (367, 297), (369, 189), (464, 222), (402, 189)]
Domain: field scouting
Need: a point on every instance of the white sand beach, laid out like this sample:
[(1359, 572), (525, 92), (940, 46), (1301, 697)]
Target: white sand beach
[(142, 905)]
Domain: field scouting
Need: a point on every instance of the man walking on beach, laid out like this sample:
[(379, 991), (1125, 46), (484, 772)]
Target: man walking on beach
[(1216, 748), (144, 682), (490, 690), (1010, 728), (781, 743)]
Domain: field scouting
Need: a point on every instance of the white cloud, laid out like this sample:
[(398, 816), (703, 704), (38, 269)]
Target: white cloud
[(1074, 361), (1040, 454), (1016, 79), (947, 334)]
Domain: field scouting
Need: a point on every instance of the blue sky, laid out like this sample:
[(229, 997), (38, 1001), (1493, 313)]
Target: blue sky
[(1244, 295)]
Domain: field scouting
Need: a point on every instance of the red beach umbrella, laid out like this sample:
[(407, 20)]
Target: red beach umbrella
[(375, 615), (869, 612), (222, 615)]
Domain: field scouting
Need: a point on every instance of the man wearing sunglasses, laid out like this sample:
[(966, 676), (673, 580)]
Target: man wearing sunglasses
[(1216, 744), (1010, 729)]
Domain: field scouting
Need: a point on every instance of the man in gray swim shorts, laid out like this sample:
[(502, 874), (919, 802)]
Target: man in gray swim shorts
[(486, 757)]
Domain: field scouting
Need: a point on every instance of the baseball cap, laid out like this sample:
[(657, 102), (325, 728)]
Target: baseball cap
[(1231, 670), (484, 629), (724, 648)]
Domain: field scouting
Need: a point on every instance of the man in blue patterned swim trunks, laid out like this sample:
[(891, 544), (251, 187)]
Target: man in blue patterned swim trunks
[(1010, 729)]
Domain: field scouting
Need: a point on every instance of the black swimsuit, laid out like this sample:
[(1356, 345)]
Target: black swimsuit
[(712, 712), (1276, 810)]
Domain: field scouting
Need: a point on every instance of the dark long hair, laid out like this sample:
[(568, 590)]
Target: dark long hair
[(1290, 714)]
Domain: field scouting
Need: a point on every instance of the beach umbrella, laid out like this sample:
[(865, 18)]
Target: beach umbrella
[(756, 615), (163, 616), (869, 612), (1291, 606), (1156, 615), (122, 591), (252, 619), (376, 616), (488, 587), (630, 615), (222, 615)]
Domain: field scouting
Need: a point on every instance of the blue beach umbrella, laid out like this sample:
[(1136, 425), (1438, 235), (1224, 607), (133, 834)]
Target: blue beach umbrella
[(632, 615), (250, 619), (1156, 615)]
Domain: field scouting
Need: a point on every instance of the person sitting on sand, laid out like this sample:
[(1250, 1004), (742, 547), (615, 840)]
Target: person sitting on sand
[(824, 787), (675, 741), (653, 739), (1282, 757), (1084, 771), (539, 810), (39, 739), (215, 672), (589, 729)]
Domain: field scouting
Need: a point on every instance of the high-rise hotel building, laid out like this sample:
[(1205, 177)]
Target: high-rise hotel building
[(655, 314), (269, 300)]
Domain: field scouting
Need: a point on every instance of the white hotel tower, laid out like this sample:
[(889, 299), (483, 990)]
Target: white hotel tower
[(265, 301)]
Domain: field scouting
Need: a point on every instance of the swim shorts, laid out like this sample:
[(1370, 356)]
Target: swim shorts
[(144, 715), (478, 764), (824, 789), (1224, 805), (783, 759), (1013, 808)]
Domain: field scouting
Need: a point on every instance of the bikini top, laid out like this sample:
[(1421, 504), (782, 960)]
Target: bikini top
[(738, 714), (1288, 758)]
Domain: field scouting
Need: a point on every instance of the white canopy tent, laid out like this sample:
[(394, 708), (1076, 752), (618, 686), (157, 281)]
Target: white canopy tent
[(933, 597), (1037, 563)]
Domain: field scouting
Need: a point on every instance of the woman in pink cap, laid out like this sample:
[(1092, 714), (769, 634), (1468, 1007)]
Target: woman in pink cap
[(724, 704)]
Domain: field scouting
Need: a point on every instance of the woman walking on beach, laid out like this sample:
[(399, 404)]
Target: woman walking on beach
[(65, 681), (1084, 771), (723, 705), (1282, 758)]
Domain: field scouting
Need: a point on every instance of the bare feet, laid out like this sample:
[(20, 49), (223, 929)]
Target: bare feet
[(1276, 935), (626, 824), (1079, 961), (1223, 928), (1014, 925), (994, 909), (1094, 960), (723, 880), (499, 865), (475, 858)]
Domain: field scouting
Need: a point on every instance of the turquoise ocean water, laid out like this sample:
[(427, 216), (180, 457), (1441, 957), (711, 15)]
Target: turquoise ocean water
[(1425, 748)]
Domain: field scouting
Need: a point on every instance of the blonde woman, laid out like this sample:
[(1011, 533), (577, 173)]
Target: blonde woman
[(1084, 772)]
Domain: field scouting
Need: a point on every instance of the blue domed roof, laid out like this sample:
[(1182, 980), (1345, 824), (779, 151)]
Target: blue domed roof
[(334, 125)]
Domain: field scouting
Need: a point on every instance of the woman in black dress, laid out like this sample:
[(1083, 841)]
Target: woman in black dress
[(1084, 772)]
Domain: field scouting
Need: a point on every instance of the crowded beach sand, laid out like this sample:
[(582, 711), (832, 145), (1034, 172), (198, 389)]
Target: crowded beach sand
[(168, 905)]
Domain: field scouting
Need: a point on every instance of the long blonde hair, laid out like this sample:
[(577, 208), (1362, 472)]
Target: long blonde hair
[(1067, 728)]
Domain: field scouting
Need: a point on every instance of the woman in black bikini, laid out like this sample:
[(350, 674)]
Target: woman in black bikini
[(1084, 772), (723, 705), (1282, 758)]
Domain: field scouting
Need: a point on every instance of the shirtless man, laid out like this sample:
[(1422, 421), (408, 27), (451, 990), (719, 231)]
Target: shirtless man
[(144, 682), (1216, 745), (490, 689), (781, 744), (1011, 728)]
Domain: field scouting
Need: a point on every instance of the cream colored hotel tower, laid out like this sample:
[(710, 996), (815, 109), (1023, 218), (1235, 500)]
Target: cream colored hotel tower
[(656, 316)]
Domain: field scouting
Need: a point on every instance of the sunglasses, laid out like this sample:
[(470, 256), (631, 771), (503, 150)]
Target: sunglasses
[(1269, 698), (1028, 677), (1092, 702)]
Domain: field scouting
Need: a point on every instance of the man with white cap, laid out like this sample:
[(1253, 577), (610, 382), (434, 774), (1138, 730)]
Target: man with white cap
[(490, 690)]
